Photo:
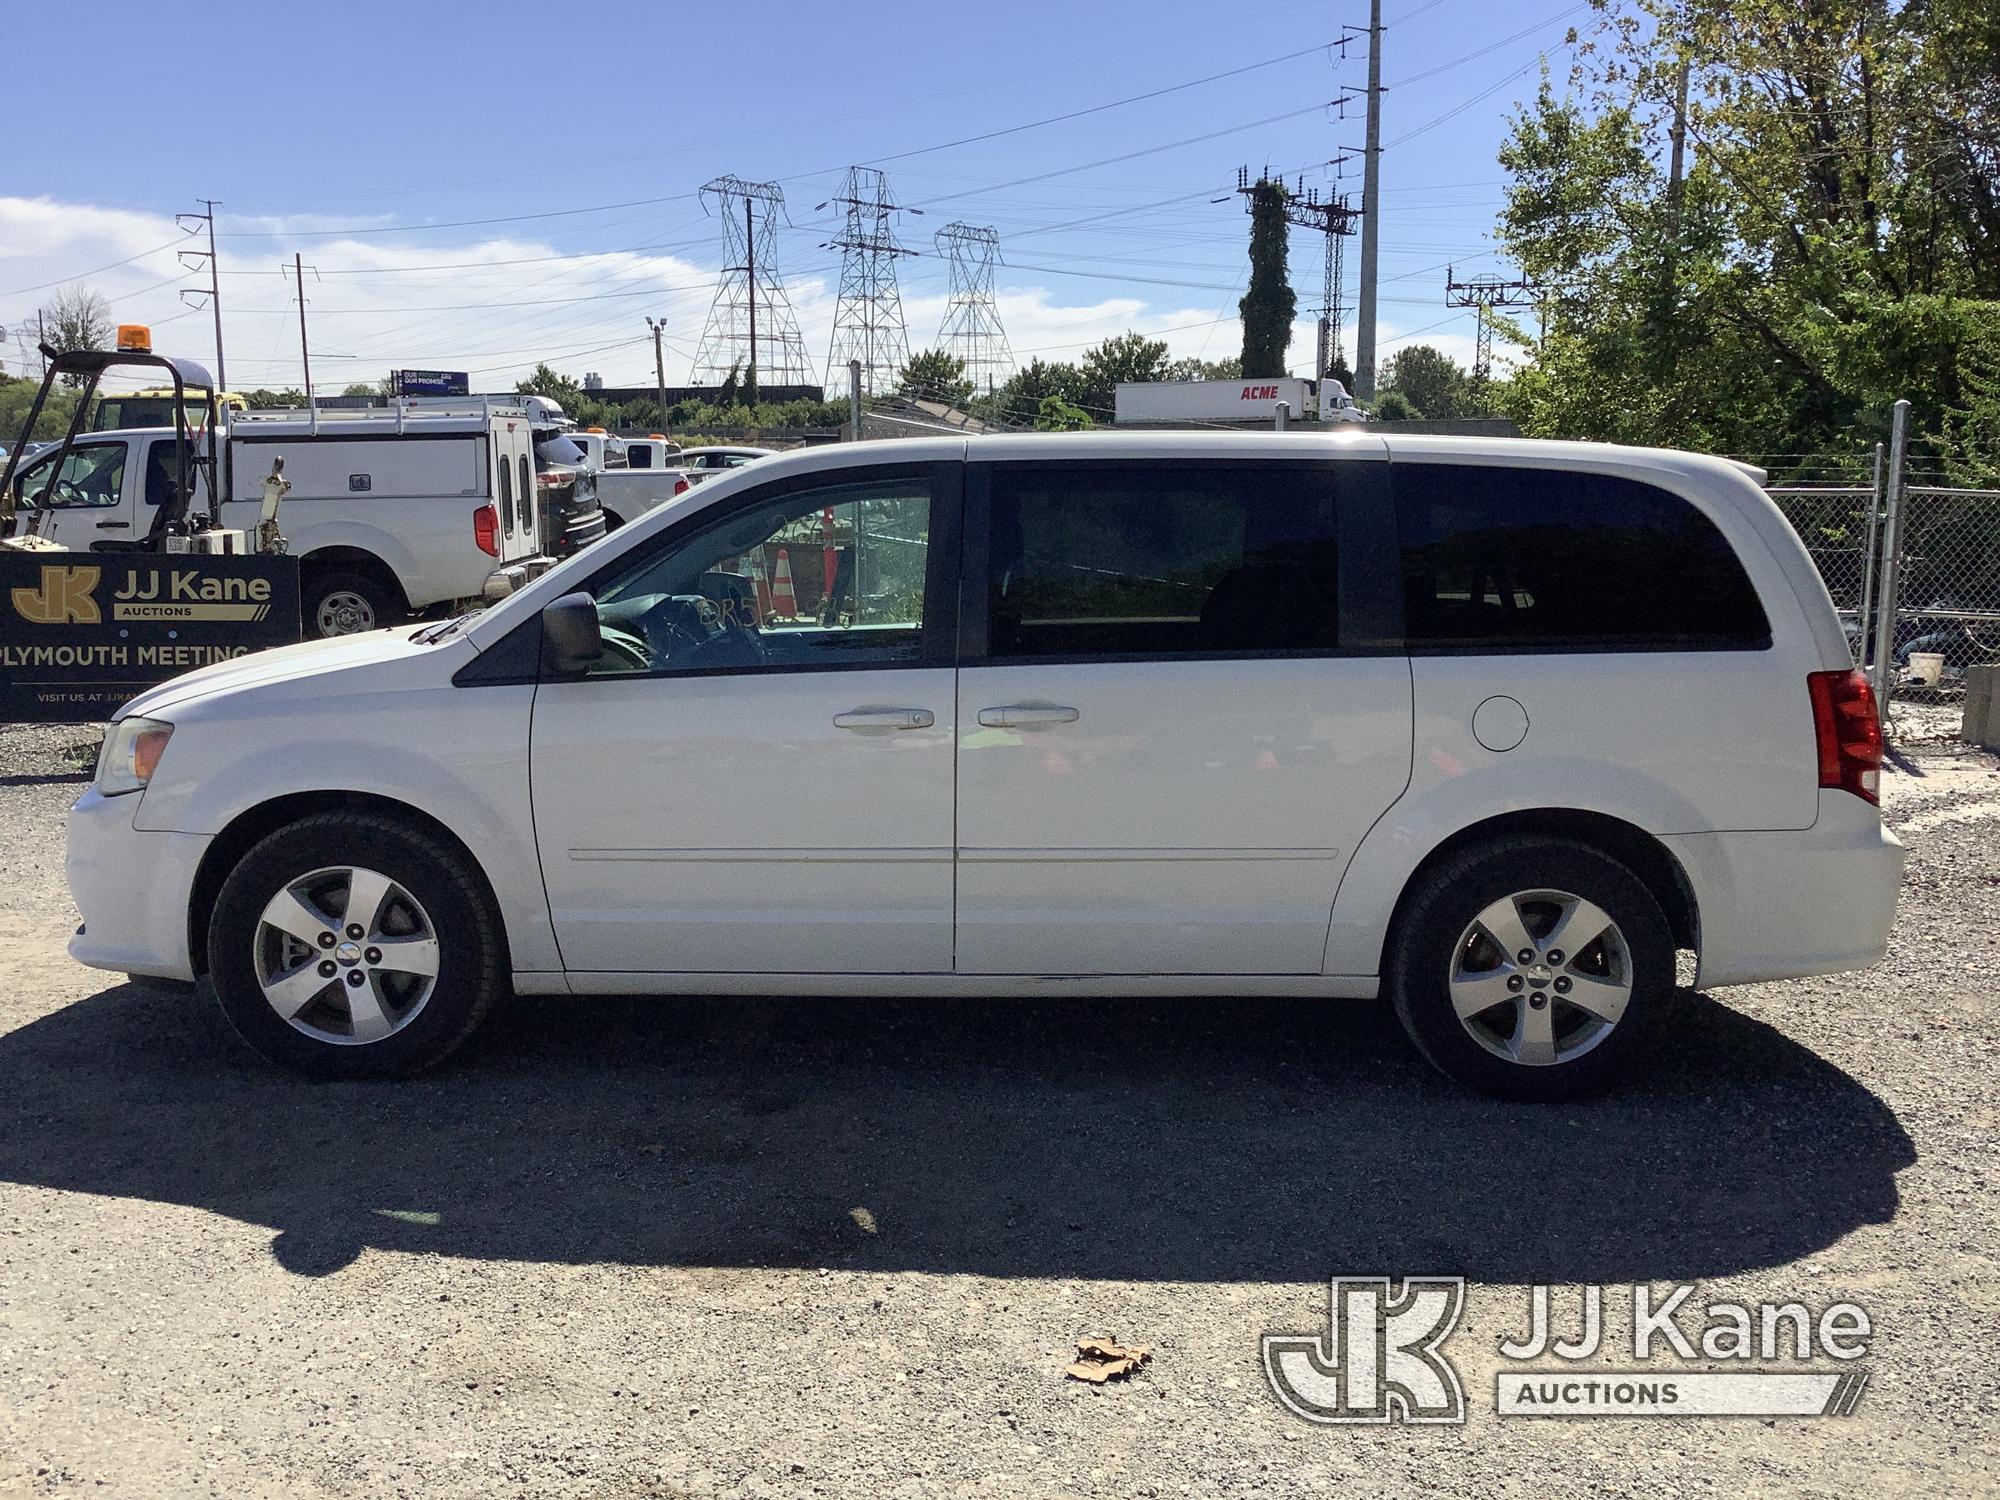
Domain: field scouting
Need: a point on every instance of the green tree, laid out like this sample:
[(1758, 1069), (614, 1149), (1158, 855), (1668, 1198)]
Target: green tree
[(1057, 415), (560, 389), (1430, 380), (1205, 369), (1394, 406), (1126, 359), (1020, 399), (17, 396), (935, 375), (362, 388), (263, 399), (1833, 244), (1268, 305)]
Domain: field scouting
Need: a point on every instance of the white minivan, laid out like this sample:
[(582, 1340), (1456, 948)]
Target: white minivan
[(1494, 727)]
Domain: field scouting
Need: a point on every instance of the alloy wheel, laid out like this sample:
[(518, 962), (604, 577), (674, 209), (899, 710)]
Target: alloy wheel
[(1540, 977), (346, 955)]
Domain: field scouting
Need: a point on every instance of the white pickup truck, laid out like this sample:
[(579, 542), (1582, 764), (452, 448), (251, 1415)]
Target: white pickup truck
[(390, 511), (636, 474)]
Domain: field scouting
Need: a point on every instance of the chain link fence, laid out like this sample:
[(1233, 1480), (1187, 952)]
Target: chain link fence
[(1907, 540)]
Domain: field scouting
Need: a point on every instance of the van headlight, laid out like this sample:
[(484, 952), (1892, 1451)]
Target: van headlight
[(131, 753)]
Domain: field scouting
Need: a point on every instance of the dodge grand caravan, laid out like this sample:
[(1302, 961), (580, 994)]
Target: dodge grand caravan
[(1496, 728)]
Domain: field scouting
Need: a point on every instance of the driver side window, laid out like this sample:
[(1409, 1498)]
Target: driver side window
[(93, 474), (819, 577)]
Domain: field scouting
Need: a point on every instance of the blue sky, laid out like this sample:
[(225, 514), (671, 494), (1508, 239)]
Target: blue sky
[(346, 133)]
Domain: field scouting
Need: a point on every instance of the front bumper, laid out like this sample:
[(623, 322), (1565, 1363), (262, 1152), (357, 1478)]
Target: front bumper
[(1785, 904), (514, 576), (133, 889)]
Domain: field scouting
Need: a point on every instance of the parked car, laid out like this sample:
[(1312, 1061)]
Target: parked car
[(1496, 728), (706, 463), (390, 511), (633, 475)]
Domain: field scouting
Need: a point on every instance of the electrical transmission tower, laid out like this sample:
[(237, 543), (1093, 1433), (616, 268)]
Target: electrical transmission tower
[(750, 325), (868, 319), (1483, 294), (971, 328), (1335, 219)]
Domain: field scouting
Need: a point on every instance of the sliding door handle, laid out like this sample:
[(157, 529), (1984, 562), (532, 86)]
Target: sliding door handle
[(114, 525), (885, 718), (1027, 715)]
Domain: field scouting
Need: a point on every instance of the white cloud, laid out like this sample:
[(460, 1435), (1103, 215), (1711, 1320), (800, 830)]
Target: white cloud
[(498, 305)]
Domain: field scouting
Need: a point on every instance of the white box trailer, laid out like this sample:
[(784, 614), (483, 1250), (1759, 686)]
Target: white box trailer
[(1214, 400)]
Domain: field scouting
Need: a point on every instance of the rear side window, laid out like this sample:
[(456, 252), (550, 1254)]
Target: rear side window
[(638, 458), (507, 494), (1498, 559), (1161, 559)]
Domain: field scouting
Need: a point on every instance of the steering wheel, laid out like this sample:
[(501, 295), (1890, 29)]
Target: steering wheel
[(625, 653), (673, 629)]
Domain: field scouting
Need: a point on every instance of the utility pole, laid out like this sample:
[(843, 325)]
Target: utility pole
[(1371, 199), (42, 341), (659, 371), (1677, 137), (305, 350), (189, 258)]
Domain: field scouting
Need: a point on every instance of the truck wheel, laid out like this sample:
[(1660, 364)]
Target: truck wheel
[(612, 521), (340, 602), (1530, 968), (347, 945)]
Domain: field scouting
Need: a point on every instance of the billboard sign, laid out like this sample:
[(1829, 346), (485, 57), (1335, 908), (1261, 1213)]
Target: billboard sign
[(82, 633), (432, 382)]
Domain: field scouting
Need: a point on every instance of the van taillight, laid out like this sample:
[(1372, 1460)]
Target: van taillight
[(486, 530), (1849, 732)]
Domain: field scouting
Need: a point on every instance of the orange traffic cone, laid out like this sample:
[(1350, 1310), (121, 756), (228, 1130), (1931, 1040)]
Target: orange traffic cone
[(784, 601), (753, 566)]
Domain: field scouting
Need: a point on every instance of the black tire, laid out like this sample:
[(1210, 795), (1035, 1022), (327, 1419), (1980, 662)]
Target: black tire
[(612, 521), (1425, 947), (471, 964), (334, 595)]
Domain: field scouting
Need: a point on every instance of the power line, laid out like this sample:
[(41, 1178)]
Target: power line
[(22, 291), (355, 231), (1095, 109)]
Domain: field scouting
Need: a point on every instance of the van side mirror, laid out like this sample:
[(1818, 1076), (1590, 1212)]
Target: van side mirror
[(571, 639)]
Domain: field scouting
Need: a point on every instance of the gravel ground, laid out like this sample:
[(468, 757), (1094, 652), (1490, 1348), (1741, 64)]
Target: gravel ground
[(629, 1250)]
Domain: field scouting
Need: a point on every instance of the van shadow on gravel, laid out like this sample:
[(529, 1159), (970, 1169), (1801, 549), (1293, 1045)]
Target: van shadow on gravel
[(1181, 1140)]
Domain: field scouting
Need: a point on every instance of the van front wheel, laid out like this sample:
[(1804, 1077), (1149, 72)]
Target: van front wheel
[(1531, 968), (349, 945)]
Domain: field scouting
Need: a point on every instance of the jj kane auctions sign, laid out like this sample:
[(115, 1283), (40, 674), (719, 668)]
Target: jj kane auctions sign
[(81, 633)]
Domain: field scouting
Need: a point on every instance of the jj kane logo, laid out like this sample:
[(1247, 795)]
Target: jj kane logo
[(63, 599), (1381, 1358)]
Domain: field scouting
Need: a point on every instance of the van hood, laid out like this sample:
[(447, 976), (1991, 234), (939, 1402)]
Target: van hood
[(279, 664)]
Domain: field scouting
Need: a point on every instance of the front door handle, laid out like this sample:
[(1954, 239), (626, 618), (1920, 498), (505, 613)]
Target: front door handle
[(1027, 715), (114, 525), (885, 718)]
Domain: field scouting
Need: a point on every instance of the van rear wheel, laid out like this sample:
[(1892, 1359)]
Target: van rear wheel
[(1531, 968), (343, 602), (348, 945)]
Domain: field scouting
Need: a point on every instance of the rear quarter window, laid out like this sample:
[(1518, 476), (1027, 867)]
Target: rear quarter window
[(1499, 559)]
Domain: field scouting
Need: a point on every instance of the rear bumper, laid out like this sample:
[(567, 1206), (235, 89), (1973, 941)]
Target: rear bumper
[(505, 580), (132, 887), (1785, 904)]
